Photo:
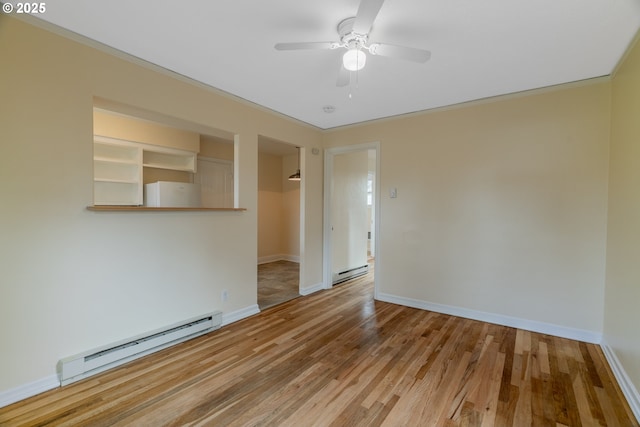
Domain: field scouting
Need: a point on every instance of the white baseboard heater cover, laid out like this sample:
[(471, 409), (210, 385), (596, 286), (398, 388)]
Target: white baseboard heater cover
[(98, 360), (350, 274)]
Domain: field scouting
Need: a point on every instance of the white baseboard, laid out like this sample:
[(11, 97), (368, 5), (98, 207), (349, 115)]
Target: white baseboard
[(28, 390), (234, 316), (513, 322), (31, 389), (628, 388), (311, 289), (278, 257)]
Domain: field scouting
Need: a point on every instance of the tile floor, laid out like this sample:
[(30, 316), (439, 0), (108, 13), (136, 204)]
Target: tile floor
[(278, 282)]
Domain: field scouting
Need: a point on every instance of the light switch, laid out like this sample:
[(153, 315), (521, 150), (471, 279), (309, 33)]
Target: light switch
[(393, 193)]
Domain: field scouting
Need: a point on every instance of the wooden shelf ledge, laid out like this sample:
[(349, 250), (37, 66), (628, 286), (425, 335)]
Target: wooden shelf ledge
[(108, 208)]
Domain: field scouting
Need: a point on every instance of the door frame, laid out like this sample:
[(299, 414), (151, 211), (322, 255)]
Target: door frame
[(301, 152), (327, 248)]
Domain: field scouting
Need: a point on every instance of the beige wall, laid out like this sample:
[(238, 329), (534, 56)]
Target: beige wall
[(71, 279), (622, 315), (112, 125), (216, 148), (291, 208), (270, 209), (501, 205), (130, 129), (278, 208)]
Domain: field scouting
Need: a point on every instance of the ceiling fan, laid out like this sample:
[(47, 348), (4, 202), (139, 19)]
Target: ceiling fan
[(354, 37)]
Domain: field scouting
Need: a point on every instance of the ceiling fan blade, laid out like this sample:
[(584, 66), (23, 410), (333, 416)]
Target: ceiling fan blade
[(400, 52), (344, 77), (306, 45), (367, 12)]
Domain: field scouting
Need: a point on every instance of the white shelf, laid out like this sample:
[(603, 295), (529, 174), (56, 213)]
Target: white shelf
[(160, 166), (167, 158), (115, 150), (117, 193), (114, 171), (117, 172), (111, 160), (120, 181), (118, 167)]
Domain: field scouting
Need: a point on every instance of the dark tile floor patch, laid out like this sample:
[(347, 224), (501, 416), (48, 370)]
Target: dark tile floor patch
[(278, 282)]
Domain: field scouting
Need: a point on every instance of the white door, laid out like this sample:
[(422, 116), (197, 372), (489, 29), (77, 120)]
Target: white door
[(216, 182), (334, 210), (349, 216)]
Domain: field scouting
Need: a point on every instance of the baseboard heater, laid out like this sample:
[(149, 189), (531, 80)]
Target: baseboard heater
[(98, 360), (350, 274)]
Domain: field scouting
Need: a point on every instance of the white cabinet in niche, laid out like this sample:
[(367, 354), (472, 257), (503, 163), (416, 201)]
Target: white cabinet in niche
[(169, 158), (117, 172), (118, 166)]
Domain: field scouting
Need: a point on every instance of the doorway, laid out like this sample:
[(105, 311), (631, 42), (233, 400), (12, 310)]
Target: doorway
[(351, 204), (278, 223)]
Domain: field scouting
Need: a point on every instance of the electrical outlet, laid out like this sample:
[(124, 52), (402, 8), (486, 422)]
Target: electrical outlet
[(224, 296)]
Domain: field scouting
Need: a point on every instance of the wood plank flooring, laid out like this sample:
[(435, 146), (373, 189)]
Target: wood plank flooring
[(339, 358)]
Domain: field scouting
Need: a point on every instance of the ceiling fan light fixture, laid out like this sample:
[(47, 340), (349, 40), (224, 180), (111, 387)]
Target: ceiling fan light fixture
[(354, 59)]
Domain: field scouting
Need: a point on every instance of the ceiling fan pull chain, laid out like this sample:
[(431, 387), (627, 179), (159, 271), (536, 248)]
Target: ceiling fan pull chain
[(353, 83)]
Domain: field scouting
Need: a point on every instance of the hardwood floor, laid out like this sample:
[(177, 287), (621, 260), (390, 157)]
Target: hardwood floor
[(338, 358)]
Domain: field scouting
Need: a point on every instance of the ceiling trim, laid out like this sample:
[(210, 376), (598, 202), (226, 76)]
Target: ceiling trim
[(86, 41), (630, 46), (79, 38), (481, 101)]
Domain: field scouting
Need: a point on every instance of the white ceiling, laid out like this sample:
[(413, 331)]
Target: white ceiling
[(479, 48)]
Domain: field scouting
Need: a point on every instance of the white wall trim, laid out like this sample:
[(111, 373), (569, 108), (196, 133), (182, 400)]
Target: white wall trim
[(311, 289), (628, 389), (499, 319), (243, 313), (24, 391), (278, 257), (39, 386)]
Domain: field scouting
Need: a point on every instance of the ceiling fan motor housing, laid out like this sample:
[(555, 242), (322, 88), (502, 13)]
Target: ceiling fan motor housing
[(350, 39)]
